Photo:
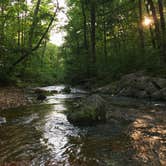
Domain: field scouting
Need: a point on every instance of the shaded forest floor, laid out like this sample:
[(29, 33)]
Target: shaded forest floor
[(148, 133), (147, 130), (12, 97)]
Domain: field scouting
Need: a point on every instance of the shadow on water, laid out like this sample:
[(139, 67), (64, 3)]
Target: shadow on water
[(42, 135)]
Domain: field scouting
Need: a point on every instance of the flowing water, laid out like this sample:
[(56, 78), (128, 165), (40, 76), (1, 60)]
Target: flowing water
[(41, 135)]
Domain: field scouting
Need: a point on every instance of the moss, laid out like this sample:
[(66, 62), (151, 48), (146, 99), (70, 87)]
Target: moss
[(91, 112)]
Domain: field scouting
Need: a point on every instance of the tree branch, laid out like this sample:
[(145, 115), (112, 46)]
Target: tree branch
[(47, 29), (26, 54)]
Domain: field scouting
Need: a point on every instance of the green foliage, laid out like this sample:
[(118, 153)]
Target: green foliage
[(21, 30), (43, 68), (114, 28), (118, 48)]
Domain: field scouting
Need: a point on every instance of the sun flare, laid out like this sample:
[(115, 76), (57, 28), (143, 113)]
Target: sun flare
[(147, 21)]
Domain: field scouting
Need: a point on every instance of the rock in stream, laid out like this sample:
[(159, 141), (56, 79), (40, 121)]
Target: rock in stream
[(92, 110)]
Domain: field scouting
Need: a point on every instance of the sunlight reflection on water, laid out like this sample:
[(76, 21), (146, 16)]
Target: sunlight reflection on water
[(64, 96), (59, 88), (56, 131)]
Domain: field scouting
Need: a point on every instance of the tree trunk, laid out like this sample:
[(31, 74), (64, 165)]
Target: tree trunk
[(161, 11), (2, 22), (19, 25), (150, 27), (34, 22), (93, 29), (104, 34), (162, 23), (30, 49), (84, 25), (141, 33), (156, 23), (43, 53)]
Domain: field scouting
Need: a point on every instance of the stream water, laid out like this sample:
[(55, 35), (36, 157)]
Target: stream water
[(41, 135)]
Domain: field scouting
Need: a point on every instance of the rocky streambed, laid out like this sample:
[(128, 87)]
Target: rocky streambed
[(56, 129), (42, 135)]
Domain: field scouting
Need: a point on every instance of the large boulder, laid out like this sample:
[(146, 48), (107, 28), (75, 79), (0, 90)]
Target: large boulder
[(137, 85), (92, 111), (140, 86), (132, 92), (136, 81)]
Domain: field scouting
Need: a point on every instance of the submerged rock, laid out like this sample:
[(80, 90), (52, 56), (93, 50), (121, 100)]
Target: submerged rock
[(67, 89), (41, 97), (54, 91), (93, 110)]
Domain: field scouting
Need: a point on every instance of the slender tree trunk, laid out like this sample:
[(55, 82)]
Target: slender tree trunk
[(2, 22), (93, 29), (22, 32), (156, 23), (43, 53), (34, 22), (150, 27), (24, 23), (19, 25), (84, 25), (28, 51), (84, 3), (161, 11), (104, 34), (141, 33), (162, 23), (78, 46)]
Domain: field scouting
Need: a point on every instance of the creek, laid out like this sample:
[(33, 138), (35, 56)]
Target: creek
[(41, 135)]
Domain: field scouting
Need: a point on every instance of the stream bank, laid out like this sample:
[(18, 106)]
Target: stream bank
[(12, 97)]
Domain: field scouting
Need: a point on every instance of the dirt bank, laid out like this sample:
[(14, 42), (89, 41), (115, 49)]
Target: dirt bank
[(12, 97)]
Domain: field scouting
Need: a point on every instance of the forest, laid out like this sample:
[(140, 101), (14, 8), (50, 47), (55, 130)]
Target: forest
[(104, 40), (82, 82)]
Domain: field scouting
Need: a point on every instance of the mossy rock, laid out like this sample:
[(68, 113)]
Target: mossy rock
[(92, 111)]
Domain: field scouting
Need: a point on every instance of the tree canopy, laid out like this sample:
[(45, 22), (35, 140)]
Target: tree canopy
[(111, 38), (105, 39)]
